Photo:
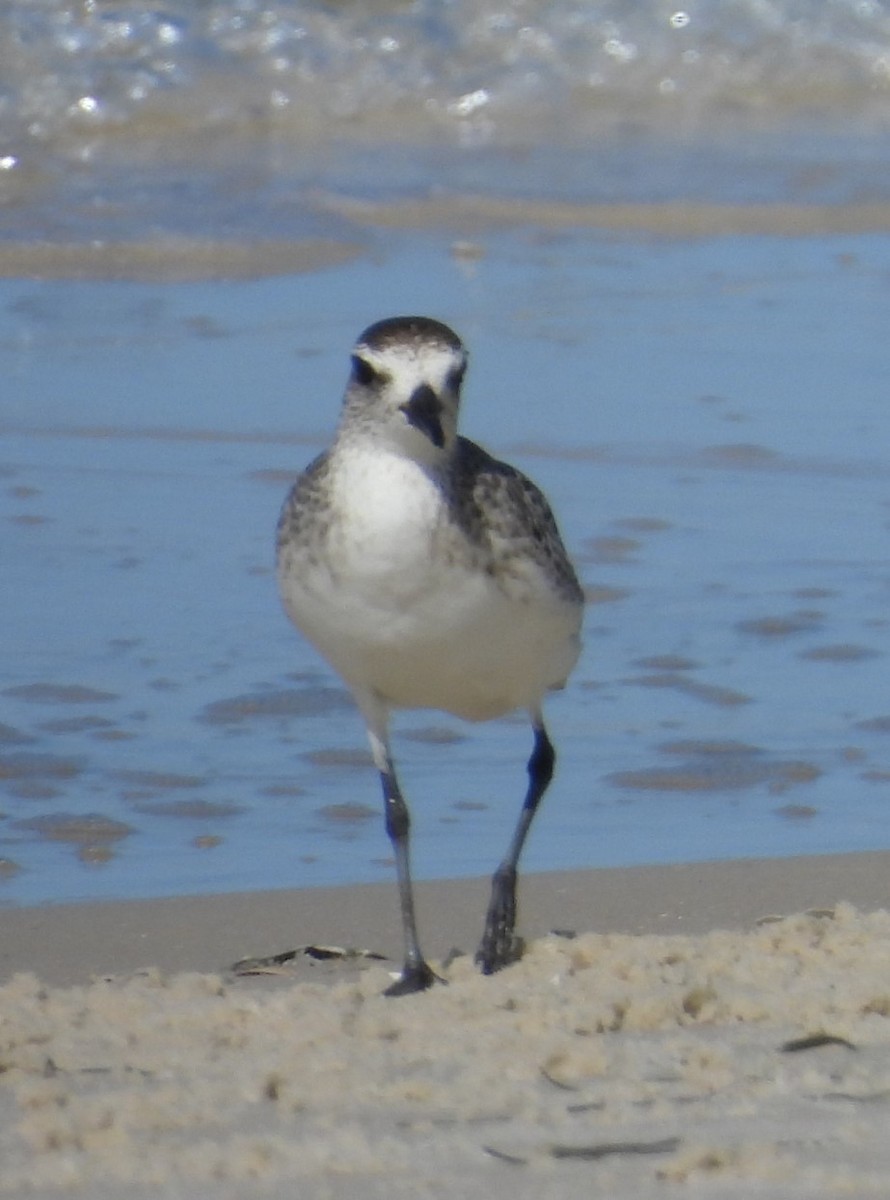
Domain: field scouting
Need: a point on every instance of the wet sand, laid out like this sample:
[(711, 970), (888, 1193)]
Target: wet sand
[(684, 219), (704, 1035)]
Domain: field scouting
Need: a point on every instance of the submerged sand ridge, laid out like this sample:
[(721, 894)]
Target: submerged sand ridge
[(176, 258), (646, 1063)]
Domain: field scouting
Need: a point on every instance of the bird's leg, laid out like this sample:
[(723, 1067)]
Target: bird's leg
[(416, 975), (499, 946)]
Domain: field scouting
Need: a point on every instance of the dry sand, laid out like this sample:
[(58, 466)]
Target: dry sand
[(701, 1042)]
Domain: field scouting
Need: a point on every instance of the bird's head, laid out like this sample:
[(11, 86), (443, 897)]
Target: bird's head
[(404, 388)]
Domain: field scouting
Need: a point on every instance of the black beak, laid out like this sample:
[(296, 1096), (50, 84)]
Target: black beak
[(424, 412)]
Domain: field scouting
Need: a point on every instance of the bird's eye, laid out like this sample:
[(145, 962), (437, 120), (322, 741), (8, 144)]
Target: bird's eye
[(363, 372), (455, 377)]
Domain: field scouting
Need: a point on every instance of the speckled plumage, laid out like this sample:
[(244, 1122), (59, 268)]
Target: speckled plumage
[(501, 514), (429, 574), (507, 516)]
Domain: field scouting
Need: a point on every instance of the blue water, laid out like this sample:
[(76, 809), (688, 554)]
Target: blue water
[(202, 204), (709, 421)]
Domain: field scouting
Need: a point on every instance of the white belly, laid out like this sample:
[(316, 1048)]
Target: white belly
[(399, 605)]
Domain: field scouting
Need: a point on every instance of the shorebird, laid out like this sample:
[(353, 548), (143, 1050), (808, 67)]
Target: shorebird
[(429, 575)]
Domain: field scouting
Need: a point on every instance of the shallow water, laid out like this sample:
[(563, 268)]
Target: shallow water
[(709, 420), (663, 234)]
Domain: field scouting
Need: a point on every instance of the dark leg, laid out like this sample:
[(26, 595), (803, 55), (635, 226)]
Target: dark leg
[(499, 946), (416, 974)]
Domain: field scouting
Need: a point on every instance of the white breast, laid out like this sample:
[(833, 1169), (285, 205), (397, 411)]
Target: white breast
[(400, 603)]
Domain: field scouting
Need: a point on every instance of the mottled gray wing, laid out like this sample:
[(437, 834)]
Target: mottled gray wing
[(305, 514), (505, 514)]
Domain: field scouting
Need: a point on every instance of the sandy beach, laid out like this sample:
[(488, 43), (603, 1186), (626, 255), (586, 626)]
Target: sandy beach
[(725, 1027)]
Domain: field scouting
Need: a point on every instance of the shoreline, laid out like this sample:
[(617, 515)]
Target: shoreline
[(68, 944)]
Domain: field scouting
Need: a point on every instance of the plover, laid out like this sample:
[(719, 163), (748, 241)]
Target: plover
[(429, 575)]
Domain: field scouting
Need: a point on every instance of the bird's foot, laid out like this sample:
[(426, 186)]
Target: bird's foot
[(500, 946), (415, 977)]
